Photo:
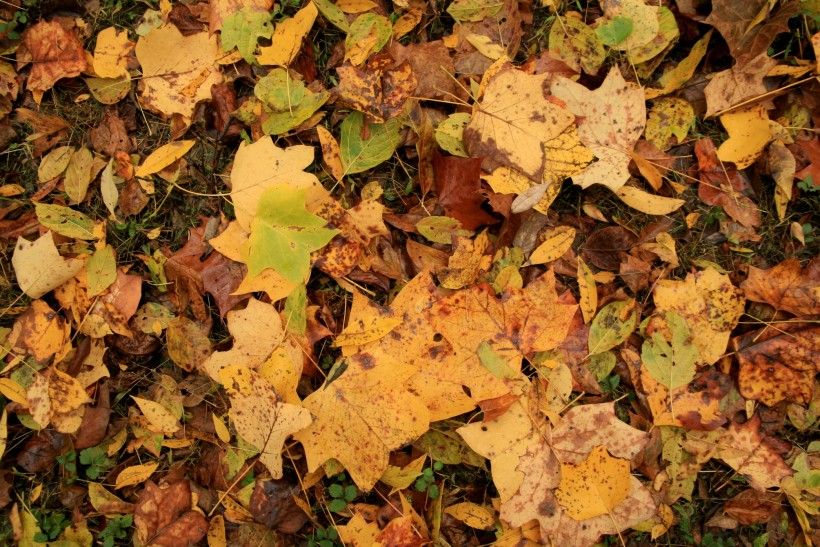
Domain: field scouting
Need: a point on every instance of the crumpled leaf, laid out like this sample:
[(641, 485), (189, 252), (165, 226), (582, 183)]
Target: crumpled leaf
[(613, 119), (163, 515)]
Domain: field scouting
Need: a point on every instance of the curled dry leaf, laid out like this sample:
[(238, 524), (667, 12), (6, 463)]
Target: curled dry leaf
[(163, 515)]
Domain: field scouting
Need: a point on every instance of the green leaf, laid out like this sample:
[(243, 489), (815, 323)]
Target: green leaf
[(368, 28), (335, 490), (243, 29), (359, 153), (493, 362), (350, 493), (284, 233), (574, 42), (296, 310), (601, 364), (65, 221), (287, 102), (337, 505), (450, 133), (474, 10), (332, 13), (615, 31), (613, 324), (673, 365)]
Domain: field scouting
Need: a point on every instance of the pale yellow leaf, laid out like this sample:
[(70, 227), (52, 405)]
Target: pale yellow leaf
[(557, 241), (221, 429), (651, 204), (111, 53), (161, 419), (164, 156), (287, 37), (402, 477), (473, 515)]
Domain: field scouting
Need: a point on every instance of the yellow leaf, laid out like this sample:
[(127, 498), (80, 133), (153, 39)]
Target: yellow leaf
[(54, 163), (588, 291), (711, 306), (505, 180), (402, 477), (104, 501), (13, 391), (669, 121), (556, 242), (221, 429), (355, 6), (512, 121), (749, 130), (117, 442), (262, 419), (164, 156), (359, 533), (367, 322), (468, 261), (485, 45), (4, 432), (111, 53), (651, 204), (177, 71), (674, 78), (361, 416), (287, 37), (177, 443), (473, 515), (331, 153), (216, 532), (39, 332), (160, 418), (612, 120), (101, 270), (38, 266), (595, 486), (135, 474), (564, 157), (11, 190)]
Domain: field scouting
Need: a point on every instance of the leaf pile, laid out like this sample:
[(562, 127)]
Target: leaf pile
[(348, 272)]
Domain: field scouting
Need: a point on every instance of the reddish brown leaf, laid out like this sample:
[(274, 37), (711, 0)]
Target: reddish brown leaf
[(379, 88), (41, 451), (95, 421), (458, 185), (110, 136), (752, 507), (748, 35), (432, 66), (272, 505), (809, 151), (223, 100), (54, 52), (723, 185), (132, 199), (607, 247), (163, 516), (786, 286)]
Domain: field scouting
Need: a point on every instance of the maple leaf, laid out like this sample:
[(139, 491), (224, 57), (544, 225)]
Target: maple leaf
[(612, 120), (242, 30), (786, 286), (709, 303), (512, 121), (55, 52), (777, 365), (515, 326), (284, 233), (177, 71), (361, 416)]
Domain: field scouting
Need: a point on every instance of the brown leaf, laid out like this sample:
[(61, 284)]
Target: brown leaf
[(95, 421), (723, 185), (163, 516), (379, 88), (41, 450), (223, 100), (605, 248), (747, 34), (432, 66), (752, 507), (809, 151), (110, 136), (778, 364), (458, 185), (272, 505), (54, 51), (752, 454), (786, 286), (132, 199), (182, 18), (737, 84)]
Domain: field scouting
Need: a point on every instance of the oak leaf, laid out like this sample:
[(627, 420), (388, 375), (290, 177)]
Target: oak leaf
[(612, 120)]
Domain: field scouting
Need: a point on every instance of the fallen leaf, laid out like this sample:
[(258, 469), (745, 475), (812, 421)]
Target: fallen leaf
[(135, 474), (458, 186), (668, 122), (39, 268), (287, 37), (163, 156), (612, 325), (735, 85), (512, 121), (359, 533), (670, 359), (65, 221), (709, 303), (55, 53), (749, 28), (725, 186), (364, 146), (645, 202), (577, 44), (379, 89), (786, 286), (177, 71), (163, 515), (331, 154), (749, 130), (111, 53), (595, 486), (613, 119), (368, 34), (243, 28), (473, 515), (556, 242)]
